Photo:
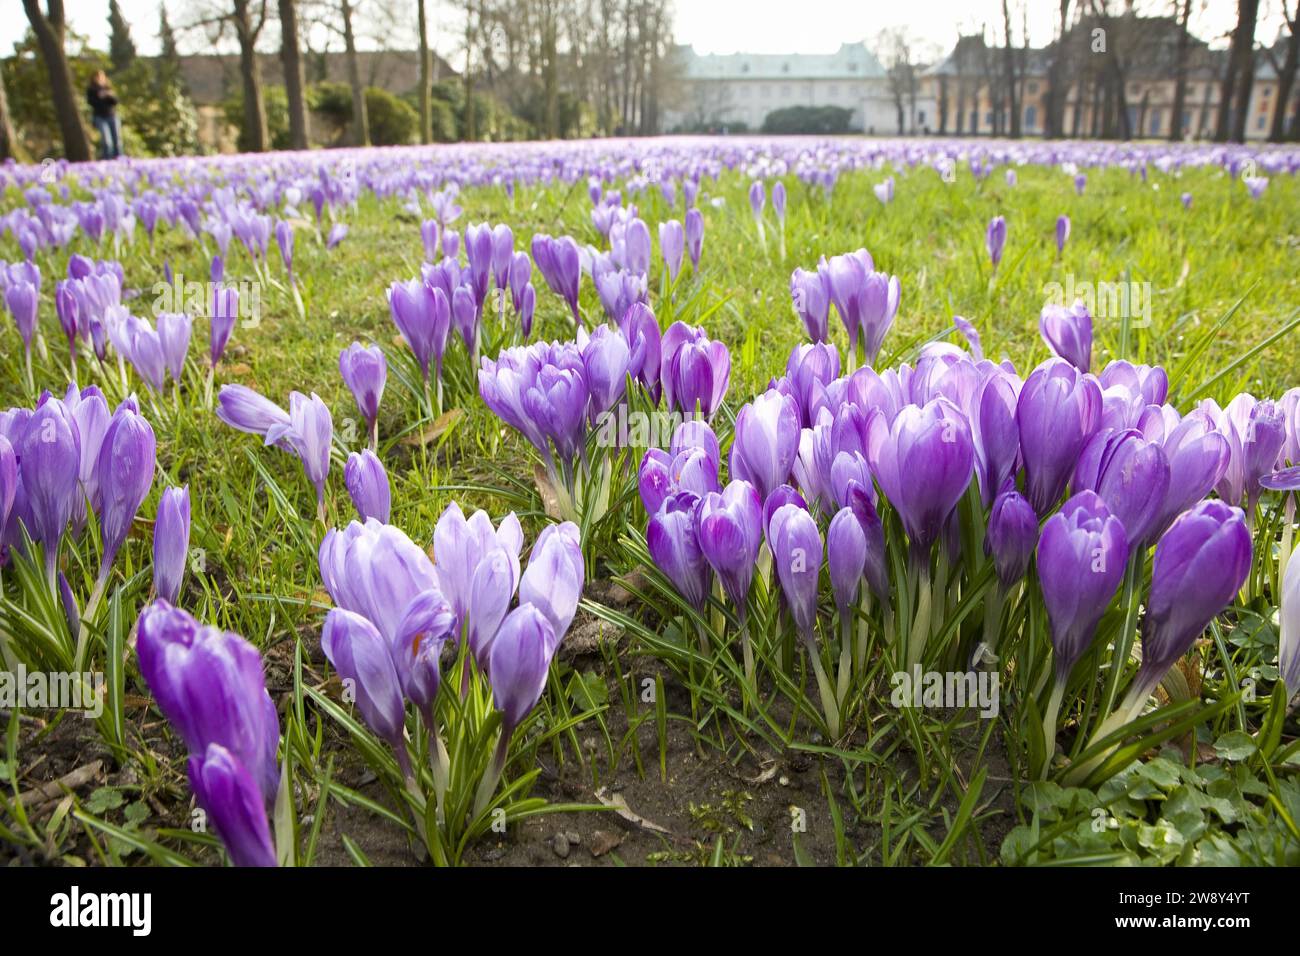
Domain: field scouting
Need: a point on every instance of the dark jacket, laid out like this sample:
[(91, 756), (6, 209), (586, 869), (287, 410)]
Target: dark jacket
[(101, 100)]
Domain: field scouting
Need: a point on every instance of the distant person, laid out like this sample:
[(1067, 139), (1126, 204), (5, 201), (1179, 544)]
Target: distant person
[(103, 108)]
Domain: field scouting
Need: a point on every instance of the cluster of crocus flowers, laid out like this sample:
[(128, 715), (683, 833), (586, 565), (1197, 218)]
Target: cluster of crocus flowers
[(865, 300), (833, 462), (210, 686), (395, 610), (306, 429), (62, 458)]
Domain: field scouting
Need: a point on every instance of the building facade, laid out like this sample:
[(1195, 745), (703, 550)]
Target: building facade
[(737, 91)]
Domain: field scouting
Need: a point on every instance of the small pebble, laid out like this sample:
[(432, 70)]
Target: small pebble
[(560, 846)]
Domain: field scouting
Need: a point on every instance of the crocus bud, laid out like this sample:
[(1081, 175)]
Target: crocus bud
[(174, 330), (1200, 564), (50, 457), (812, 301), (797, 555), (229, 795), (695, 371), (123, 474), (477, 567), (225, 310), (846, 556), (766, 441), (364, 371), (367, 485), (672, 242), (694, 236), (1131, 475), (778, 201), (22, 300), (1012, 534), (672, 537), (375, 570), (730, 533), (244, 409), (757, 198), (209, 684), (553, 580), (1058, 411), (8, 479), (361, 656), (1068, 333), (1062, 232), (308, 432), (933, 441), (996, 238), (1081, 558), (521, 658), (171, 542)]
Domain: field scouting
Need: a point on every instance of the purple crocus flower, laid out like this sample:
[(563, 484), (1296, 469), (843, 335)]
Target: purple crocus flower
[(478, 249), (364, 661), (1288, 657), (367, 485), (225, 309), (1198, 456), (503, 254), (174, 330), (245, 410), (672, 242), (662, 475), (1058, 411), (994, 430), (1062, 232), (49, 453), (427, 624), (1080, 181), (308, 432), (1131, 475), (429, 238), (210, 686), (673, 539), (1068, 333), (227, 792), (812, 301), (338, 232), (364, 371), (8, 480), (996, 239), (520, 661), (560, 265), (422, 315), (846, 557), (694, 236), (1200, 564), (797, 555), (775, 501), (123, 476), (553, 580), (778, 201), (171, 542), (605, 359), (1012, 534), (478, 571), (730, 533), (757, 199), (22, 298), (374, 570), (1186, 199), (766, 441), (284, 239), (1081, 558), (695, 371), (933, 440)]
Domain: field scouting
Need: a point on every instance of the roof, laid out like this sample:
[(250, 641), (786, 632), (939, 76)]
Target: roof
[(851, 61)]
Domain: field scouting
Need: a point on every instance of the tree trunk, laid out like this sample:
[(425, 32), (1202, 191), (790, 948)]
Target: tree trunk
[(1180, 72), (1285, 80), (258, 140), (49, 34), (426, 83), (295, 80), (360, 121), (10, 148), (1238, 74), (1009, 69)]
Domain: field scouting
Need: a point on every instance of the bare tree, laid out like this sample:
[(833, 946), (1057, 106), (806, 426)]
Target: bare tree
[(1286, 74), (360, 121), (1239, 77), (895, 51), (1183, 10), (295, 81), (1009, 71), (426, 81), (49, 29), (1057, 73)]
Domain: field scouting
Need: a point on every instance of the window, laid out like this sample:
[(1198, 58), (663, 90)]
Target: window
[(988, 118), (1259, 123), (1155, 122), (1031, 116)]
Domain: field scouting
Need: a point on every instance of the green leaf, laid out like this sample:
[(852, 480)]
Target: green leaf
[(1235, 745)]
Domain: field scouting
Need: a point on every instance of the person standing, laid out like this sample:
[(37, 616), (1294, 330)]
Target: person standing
[(103, 108)]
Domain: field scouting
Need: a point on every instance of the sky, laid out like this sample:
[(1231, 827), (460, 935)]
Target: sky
[(711, 26)]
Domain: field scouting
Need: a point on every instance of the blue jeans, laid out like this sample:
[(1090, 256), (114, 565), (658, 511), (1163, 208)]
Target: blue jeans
[(110, 136)]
